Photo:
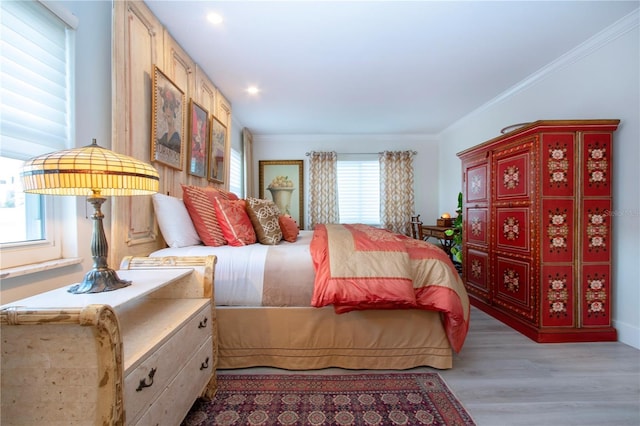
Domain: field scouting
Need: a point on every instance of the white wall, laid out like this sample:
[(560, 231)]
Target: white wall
[(92, 120), (599, 80), (294, 147)]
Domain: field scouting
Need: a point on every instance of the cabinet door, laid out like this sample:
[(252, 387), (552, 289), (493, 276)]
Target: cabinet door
[(476, 182), (477, 273), (512, 229), (557, 296), (557, 230), (512, 179), (596, 230), (558, 164), (515, 287), (596, 295), (477, 226), (597, 164)]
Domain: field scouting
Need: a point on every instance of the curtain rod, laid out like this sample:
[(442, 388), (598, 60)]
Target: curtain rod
[(361, 153)]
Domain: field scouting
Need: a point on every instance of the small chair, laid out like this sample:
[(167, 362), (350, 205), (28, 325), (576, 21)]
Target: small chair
[(416, 228)]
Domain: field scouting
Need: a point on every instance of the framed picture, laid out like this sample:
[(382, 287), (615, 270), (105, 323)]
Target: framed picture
[(167, 128), (199, 138), (217, 151), (282, 182)]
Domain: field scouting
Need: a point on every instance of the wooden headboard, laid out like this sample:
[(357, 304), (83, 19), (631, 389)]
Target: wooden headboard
[(140, 41)]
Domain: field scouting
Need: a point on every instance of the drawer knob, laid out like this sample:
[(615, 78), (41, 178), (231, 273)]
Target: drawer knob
[(203, 323), (143, 383), (205, 364)]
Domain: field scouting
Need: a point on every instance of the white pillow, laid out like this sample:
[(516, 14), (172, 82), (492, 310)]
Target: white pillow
[(174, 221)]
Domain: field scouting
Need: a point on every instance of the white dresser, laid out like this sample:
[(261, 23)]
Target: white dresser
[(138, 355)]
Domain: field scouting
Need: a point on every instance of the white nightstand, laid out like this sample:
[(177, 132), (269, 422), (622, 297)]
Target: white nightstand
[(138, 355)]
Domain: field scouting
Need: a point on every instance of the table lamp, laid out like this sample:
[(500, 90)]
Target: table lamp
[(95, 172)]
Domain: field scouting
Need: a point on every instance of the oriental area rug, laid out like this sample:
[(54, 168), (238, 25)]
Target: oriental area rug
[(350, 399)]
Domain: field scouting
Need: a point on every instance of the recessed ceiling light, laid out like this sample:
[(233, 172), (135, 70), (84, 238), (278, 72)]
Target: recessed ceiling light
[(214, 18), (252, 90)]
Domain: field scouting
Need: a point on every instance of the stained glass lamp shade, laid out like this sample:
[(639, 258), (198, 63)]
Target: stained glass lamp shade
[(95, 172)]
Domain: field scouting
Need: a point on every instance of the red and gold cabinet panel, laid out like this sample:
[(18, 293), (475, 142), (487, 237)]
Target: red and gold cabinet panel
[(477, 226), (477, 181), (557, 296), (515, 287), (558, 164), (596, 230), (477, 273), (557, 230), (596, 296), (596, 163), (512, 168), (513, 229)]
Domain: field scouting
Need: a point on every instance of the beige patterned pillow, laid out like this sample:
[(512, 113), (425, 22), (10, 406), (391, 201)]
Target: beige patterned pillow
[(264, 217)]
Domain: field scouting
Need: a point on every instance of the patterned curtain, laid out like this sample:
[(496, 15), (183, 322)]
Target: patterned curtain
[(396, 190), (323, 188)]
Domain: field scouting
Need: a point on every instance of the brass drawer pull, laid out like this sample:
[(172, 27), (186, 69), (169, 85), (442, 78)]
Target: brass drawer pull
[(205, 364), (143, 383), (203, 323)]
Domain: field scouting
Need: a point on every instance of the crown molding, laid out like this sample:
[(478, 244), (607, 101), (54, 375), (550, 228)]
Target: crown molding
[(604, 37)]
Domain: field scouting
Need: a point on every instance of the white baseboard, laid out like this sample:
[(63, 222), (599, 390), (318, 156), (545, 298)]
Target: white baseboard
[(628, 334)]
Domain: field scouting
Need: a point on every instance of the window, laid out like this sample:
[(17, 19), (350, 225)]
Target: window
[(21, 215), (235, 173), (35, 118), (359, 190)]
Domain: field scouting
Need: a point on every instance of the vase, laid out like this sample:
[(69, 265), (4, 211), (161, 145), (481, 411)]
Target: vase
[(282, 198)]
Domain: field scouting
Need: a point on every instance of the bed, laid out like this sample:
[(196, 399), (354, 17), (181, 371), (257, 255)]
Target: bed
[(265, 296)]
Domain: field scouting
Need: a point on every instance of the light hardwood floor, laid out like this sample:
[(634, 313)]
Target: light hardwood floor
[(504, 378)]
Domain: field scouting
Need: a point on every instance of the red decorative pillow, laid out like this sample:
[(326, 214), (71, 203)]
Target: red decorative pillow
[(200, 205), (225, 194), (289, 228), (234, 222)]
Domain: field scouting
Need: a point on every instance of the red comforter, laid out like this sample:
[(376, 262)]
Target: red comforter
[(362, 267)]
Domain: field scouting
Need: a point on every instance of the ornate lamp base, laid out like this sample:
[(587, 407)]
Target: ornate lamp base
[(97, 281), (101, 277)]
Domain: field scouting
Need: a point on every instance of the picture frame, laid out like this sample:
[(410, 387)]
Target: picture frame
[(168, 121), (283, 182), (217, 151), (199, 140)]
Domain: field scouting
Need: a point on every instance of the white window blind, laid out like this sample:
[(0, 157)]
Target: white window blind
[(35, 88), (359, 191), (235, 173)]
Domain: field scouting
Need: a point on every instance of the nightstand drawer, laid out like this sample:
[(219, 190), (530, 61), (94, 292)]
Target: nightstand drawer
[(145, 383), (174, 403)]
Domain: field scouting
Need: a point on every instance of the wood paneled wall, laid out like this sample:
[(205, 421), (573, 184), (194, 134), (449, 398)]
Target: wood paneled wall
[(139, 42)]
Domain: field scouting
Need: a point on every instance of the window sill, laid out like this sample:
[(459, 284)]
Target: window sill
[(19, 271)]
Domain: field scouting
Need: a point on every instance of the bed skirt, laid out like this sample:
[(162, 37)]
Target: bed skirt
[(313, 338)]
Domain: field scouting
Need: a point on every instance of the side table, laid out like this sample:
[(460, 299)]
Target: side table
[(438, 232)]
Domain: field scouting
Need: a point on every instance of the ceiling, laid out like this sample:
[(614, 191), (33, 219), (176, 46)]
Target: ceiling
[(375, 67)]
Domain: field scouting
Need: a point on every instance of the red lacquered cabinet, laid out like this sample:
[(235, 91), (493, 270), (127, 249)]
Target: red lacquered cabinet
[(537, 229)]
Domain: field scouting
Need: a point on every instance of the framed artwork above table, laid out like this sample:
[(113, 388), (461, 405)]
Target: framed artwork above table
[(283, 182)]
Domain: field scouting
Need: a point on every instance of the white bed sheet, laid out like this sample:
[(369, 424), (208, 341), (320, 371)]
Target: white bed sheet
[(239, 271)]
